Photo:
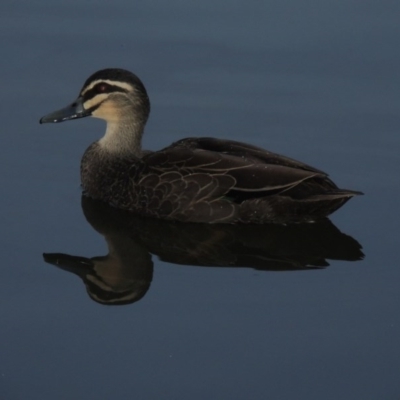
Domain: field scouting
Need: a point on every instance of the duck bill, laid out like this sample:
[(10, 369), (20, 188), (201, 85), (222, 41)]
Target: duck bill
[(73, 111), (74, 264)]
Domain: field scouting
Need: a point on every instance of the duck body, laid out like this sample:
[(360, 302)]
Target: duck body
[(195, 179), (211, 180)]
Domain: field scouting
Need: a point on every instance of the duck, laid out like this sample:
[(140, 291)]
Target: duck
[(197, 179)]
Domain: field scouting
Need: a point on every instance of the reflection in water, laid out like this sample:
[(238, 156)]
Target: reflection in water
[(124, 275)]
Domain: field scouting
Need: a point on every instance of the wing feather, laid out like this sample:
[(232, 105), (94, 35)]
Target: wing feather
[(213, 180), (250, 174)]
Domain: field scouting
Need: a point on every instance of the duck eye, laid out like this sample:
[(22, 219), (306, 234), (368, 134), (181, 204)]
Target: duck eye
[(102, 88)]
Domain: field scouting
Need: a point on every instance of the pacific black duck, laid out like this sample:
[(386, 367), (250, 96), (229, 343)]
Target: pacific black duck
[(195, 179)]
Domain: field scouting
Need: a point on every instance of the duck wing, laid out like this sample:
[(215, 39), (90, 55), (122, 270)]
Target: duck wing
[(240, 149), (213, 180), (251, 169)]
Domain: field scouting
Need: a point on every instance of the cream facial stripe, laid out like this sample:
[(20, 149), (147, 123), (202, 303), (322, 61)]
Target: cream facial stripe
[(122, 85), (95, 100)]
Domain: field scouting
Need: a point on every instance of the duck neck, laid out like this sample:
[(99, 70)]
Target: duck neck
[(123, 137)]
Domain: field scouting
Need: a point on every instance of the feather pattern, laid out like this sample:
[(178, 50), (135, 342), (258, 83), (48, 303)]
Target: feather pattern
[(235, 182)]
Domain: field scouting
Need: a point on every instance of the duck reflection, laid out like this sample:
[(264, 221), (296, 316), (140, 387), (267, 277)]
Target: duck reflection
[(124, 275)]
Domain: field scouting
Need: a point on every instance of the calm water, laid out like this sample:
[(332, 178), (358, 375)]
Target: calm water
[(315, 80)]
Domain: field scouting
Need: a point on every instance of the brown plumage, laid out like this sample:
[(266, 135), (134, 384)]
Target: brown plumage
[(195, 179)]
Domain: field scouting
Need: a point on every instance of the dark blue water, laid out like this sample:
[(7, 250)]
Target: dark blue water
[(317, 81)]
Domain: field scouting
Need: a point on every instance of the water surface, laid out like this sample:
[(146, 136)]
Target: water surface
[(317, 81)]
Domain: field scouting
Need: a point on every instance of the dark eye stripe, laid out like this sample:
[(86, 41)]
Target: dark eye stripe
[(95, 107), (102, 87)]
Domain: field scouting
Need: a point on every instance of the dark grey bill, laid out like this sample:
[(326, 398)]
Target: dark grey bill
[(73, 111)]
